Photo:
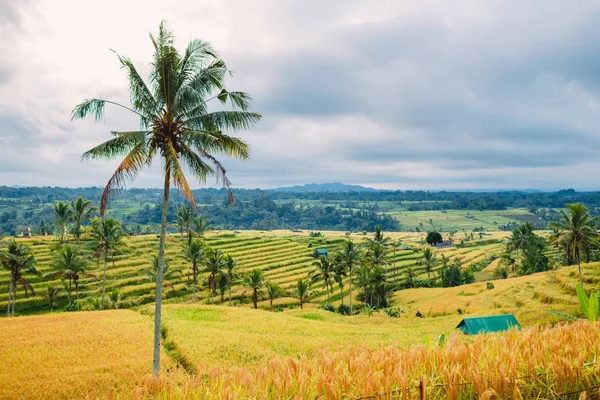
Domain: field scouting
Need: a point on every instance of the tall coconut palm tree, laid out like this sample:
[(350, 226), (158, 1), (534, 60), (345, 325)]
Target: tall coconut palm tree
[(106, 238), (18, 259), (70, 263), (254, 280), (176, 126), (577, 233), (195, 253), (429, 260), (349, 258), (231, 275), (214, 265), (273, 291), (62, 218), (81, 212), (324, 271), (302, 291)]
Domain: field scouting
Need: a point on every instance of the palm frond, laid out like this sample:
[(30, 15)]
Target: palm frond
[(141, 97), (129, 168), (223, 120), (174, 169), (120, 145), (190, 99), (95, 108), (239, 100)]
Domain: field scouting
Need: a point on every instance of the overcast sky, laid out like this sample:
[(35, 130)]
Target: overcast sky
[(389, 94)]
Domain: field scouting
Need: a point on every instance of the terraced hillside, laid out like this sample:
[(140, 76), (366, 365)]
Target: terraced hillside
[(284, 257)]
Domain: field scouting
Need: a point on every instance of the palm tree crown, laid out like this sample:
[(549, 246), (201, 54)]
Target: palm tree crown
[(81, 212), (577, 233), (174, 117)]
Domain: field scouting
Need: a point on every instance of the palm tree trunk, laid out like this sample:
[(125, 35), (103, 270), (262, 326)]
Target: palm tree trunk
[(10, 286), (328, 296), (579, 268), (255, 298), (159, 276), (229, 295), (103, 281), (14, 299), (342, 294), (350, 290), (77, 295), (195, 278), (212, 289)]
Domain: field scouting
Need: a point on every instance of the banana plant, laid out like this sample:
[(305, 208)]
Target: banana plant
[(589, 305)]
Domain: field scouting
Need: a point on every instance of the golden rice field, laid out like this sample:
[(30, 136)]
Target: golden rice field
[(537, 363), (75, 355), (284, 256), (238, 352)]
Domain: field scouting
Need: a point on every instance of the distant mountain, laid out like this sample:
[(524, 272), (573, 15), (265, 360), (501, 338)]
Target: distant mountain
[(325, 187)]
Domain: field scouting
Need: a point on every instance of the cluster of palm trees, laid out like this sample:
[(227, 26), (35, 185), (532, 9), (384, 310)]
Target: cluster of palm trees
[(72, 215), (70, 260), (365, 266)]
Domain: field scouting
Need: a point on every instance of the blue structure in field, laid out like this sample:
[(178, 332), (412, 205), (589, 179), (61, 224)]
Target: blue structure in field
[(320, 253), (496, 323)]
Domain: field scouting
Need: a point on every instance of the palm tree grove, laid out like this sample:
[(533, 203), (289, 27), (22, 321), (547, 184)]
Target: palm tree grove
[(295, 201)]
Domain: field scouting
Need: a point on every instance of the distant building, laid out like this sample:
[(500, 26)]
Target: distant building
[(320, 253), (496, 323)]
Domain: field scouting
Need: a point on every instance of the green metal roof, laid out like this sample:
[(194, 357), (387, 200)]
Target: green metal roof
[(321, 251), (496, 323)]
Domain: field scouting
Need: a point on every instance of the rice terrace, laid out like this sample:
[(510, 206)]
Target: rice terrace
[(166, 235)]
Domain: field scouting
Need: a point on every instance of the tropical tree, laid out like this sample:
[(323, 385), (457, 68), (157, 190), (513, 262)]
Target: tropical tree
[(195, 253), (81, 211), (302, 291), (106, 238), (176, 125), (254, 280), (378, 238), (577, 233), (324, 271), (199, 225), (349, 258), (184, 221), (70, 263), (52, 294), (339, 273), (273, 291), (231, 275), (44, 228), (520, 237), (18, 260), (429, 260), (151, 274), (214, 264), (62, 218)]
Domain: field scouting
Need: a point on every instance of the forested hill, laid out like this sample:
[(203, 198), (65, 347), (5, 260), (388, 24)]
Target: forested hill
[(268, 209)]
